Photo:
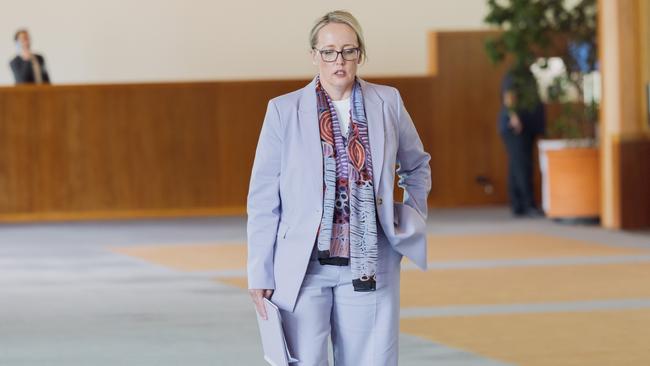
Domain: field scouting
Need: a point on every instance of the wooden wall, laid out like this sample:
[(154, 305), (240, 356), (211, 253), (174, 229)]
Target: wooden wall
[(462, 137), (634, 182), (624, 42), (179, 149)]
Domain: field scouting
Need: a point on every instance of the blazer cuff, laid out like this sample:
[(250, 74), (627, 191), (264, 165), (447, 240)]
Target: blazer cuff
[(261, 283)]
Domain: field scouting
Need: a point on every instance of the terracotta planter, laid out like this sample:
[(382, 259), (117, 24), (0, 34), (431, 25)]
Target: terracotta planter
[(570, 179)]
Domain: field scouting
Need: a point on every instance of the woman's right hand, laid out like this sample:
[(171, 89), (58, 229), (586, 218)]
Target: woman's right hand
[(258, 296)]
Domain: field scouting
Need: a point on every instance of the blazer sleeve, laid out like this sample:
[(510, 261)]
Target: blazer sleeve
[(263, 204), (413, 162)]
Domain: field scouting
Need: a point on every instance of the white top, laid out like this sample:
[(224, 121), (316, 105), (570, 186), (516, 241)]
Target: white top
[(343, 113)]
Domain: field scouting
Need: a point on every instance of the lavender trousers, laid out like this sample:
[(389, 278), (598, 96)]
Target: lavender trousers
[(363, 326)]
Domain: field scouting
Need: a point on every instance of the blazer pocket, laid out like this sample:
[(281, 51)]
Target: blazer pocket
[(283, 228), (405, 214)]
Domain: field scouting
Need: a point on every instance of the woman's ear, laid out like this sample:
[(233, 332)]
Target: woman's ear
[(313, 57)]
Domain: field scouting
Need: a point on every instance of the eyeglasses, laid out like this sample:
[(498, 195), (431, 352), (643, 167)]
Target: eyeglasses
[(348, 54)]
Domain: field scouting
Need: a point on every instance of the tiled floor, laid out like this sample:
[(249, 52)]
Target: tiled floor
[(500, 292)]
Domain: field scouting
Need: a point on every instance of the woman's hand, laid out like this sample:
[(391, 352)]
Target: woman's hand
[(258, 296)]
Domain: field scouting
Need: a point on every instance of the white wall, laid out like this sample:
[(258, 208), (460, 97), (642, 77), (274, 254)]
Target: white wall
[(91, 41)]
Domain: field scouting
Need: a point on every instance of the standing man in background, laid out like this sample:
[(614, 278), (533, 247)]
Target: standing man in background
[(28, 67), (518, 128)]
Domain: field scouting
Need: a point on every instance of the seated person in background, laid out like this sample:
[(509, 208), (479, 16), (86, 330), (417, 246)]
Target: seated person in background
[(27, 67)]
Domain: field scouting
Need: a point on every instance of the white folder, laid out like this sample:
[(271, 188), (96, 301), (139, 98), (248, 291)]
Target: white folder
[(275, 347)]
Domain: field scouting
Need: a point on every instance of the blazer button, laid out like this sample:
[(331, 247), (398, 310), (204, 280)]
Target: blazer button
[(379, 201)]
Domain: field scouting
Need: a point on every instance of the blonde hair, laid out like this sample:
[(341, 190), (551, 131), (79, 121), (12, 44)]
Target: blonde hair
[(341, 17)]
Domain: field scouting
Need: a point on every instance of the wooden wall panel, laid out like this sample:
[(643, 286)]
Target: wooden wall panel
[(623, 44), (99, 151), (464, 139), (240, 113), (634, 182)]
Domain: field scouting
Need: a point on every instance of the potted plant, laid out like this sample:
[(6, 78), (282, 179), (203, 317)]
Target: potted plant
[(558, 43)]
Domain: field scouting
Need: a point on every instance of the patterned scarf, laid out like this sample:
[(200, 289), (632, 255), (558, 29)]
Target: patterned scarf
[(348, 229)]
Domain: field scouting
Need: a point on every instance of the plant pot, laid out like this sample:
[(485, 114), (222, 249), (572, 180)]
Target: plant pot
[(570, 179)]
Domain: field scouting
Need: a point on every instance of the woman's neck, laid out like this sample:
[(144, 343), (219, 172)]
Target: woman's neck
[(338, 93)]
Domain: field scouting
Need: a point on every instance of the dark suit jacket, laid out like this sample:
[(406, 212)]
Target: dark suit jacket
[(534, 120), (23, 71)]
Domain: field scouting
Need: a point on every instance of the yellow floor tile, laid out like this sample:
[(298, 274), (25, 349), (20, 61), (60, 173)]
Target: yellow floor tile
[(599, 338), (442, 248), (508, 285)]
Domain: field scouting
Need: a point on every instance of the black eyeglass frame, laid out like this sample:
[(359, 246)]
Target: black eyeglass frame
[(356, 57)]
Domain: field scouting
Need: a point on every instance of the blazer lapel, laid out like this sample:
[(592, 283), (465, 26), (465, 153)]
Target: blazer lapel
[(375, 114), (308, 124)]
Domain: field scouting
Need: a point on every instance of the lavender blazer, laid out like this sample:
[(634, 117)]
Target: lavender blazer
[(285, 197)]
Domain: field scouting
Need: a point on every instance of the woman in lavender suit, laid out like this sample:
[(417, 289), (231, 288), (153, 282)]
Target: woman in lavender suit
[(325, 238)]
